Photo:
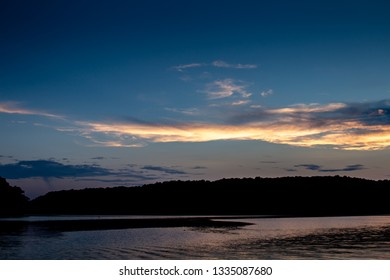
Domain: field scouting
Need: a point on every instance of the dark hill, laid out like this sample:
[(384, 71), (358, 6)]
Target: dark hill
[(301, 196)]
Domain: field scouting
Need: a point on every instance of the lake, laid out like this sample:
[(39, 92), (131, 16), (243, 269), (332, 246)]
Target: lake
[(358, 237)]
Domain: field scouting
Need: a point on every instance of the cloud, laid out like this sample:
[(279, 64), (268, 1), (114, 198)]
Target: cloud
[(290, 169), (116, 181), (223, 64), (96, 138), (269, 161), (240, 102), (215, 63), (183, 67), (2, 156), (347, 126), (199, 167), (308, 108), (163, 169), (186, 111), (98, 158), (348, 168), (48, 169), (353, 167), (13, 108), (267, 92), (353, 126), (226, 88), (309, 166)]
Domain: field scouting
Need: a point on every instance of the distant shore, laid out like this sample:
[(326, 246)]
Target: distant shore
[(285, 196), (120, 223), (291, 196), (108, 223)]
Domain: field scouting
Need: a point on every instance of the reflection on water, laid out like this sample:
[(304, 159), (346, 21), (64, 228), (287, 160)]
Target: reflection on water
[(272, 238), (360, 243)]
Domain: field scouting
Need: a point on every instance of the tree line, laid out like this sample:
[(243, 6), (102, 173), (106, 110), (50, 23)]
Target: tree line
[(295, 196)]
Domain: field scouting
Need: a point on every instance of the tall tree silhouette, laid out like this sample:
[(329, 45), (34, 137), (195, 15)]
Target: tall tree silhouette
[(13, 202)]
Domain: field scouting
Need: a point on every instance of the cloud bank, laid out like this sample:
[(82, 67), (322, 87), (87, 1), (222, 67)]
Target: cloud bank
[(83, 172), (50, 168), (347, 126)]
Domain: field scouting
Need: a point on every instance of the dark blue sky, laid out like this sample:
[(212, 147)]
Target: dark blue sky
[(101, 93)]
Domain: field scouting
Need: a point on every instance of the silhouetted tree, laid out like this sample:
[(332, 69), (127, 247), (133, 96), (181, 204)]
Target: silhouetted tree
[(13, 202)]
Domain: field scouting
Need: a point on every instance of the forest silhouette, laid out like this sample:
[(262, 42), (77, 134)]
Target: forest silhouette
[(287, 196)]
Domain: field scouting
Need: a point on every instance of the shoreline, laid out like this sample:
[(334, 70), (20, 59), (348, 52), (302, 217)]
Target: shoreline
[(102, 222), (107, 224)]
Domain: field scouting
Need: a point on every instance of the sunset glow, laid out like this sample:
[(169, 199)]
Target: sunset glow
[(134, 92)]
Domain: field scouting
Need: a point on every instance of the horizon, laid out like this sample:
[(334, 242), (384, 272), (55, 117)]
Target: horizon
[(132, 93)]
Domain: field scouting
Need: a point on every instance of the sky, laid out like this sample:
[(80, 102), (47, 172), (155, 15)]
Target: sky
[(109, 93)]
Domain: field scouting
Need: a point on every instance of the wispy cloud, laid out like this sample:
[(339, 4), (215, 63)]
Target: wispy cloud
[(163, 169), (309, 166), (308, 108), (2, 156), (185, 111), (14, 108), (50, 168), (240, 102), (216, 63), (267, 92), (355, 126), (226, 88), (47, 169), (269, 161), (98, 158), (183, 67), (96, 138), (223, 64), (199, 167), (319, 168)]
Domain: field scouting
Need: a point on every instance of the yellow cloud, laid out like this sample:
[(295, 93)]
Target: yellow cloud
[(343, 135), (311, 108)]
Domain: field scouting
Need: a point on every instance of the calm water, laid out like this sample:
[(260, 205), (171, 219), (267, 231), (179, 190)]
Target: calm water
[(271, 238)]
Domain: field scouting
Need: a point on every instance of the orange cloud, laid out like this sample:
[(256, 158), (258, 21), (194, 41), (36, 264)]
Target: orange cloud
[(345, 135), (311, 108), (355, 126), (12, 108)]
